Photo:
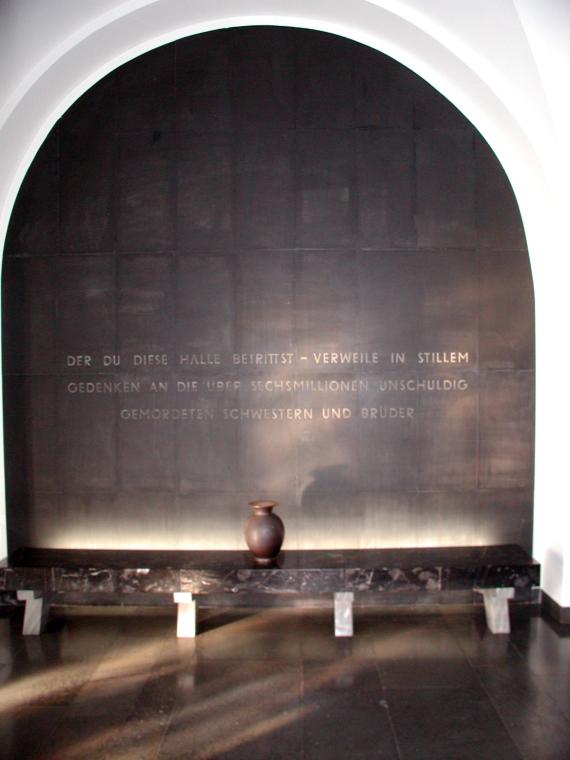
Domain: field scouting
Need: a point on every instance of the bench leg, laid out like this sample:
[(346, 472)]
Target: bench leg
[(343, 601), (35, 612), (496, 601), (186, 619)]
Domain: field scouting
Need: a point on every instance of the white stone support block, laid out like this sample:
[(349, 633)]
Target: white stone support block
[(35, 612), (496, 601), (186, 620), (343, 601)]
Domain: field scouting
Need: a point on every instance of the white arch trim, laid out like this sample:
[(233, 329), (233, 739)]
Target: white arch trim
[(477, 54)]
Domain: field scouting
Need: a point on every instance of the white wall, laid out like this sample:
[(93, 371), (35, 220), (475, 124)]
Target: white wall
[(505, 64)]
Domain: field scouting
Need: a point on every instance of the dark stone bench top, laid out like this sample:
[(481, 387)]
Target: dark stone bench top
[(313, 571)]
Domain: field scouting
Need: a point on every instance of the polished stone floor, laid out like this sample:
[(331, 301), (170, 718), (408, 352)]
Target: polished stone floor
[(428, 685)]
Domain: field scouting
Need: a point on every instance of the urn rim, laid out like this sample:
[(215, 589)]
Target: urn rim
[(263, 504)]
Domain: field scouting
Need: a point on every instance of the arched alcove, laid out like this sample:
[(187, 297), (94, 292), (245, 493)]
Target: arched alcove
[(267, 262), (509, 92)]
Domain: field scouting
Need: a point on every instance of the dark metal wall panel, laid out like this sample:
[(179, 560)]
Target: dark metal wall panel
[(506, 439), (324, 92), (204, 191), (145, 306), (86, 187), (327, 193), (205, 305), (151, 107), (264, 191), (267, 263), (448, 301), (263, 83), (448, 441), (388, 454), (145, 192), (325, 308), (499, 224), (146, 449), (389, 282), (267, 289), (383, 95), (445, 188), (386, 188), (35, 219), (85, 309), (41, 429), (87, 441), (506, 323), (29, 299), (203, 82), (208, 450)]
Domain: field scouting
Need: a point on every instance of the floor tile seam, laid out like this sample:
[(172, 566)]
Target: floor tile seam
[(465, 656), (551, 694), (246, 658), (203, 658), (54, 725), (430, 687), (470, 660), (544, 693), (514, 745), (160, 744), (388, 709), (167, 723), (74, 692), (303, 729), (98, 682), (458, 688), (159, 670), (492, 702), (550, 670), (520, 653), (21, 648)]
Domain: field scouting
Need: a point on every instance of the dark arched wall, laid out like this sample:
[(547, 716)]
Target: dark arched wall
[(267, 263)]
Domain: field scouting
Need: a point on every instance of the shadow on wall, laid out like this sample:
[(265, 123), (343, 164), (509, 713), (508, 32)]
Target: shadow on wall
[(329, 510), (331, 479)]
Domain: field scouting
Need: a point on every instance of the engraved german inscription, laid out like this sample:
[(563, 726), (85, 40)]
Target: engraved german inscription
[(275, 377)]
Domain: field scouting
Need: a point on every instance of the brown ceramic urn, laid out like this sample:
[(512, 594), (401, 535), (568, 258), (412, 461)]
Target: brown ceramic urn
[(264, 532)]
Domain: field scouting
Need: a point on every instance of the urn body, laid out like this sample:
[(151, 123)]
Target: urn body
[(264, 532)]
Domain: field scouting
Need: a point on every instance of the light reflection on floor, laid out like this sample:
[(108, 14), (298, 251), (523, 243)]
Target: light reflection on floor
[(275, 683)]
